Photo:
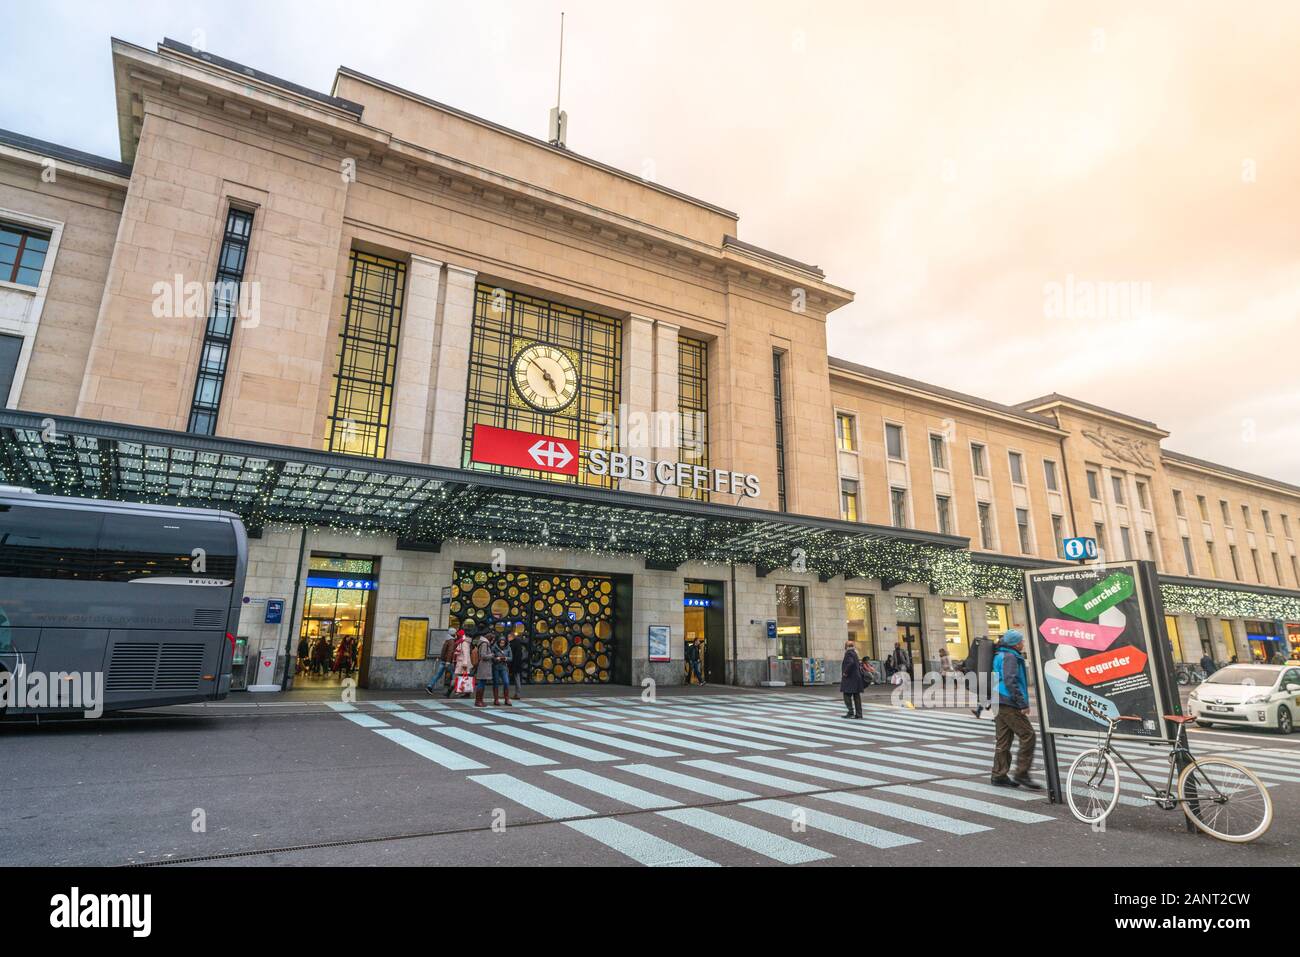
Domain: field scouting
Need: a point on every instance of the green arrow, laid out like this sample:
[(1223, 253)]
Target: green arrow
[(1100, 597)]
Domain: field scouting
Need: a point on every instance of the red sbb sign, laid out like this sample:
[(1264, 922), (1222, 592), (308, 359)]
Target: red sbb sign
[(524, 450), (1118, 663)]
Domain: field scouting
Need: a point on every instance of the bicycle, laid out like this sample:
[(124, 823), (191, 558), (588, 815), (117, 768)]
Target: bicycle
[(1206, 788)]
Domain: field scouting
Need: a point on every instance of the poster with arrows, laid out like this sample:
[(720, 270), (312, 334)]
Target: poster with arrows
[(1096, 651)]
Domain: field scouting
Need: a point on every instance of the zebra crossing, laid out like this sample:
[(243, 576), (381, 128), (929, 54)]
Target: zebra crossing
[(771, 777)]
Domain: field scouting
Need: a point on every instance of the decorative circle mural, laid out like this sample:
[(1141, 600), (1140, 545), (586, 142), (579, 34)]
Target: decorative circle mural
[(569, 618)]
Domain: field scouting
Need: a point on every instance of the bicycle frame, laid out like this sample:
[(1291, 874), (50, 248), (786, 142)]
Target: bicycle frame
[(1180, 755)]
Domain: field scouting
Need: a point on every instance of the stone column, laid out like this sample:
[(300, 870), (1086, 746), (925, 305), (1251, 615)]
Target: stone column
[(636, 406), (667, 426), (452, 364), (412, 391)]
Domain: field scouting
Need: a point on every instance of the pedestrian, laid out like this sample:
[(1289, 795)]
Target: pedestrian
[(446, 660), (304, 652), (693, 663), (1207, 664), (1012, 718), (851, 681), (945, 661), (481, 658), (520, 659), (461, 661), (901, 659), (501, 670)]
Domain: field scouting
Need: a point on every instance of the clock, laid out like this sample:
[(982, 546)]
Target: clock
[(545, 377)]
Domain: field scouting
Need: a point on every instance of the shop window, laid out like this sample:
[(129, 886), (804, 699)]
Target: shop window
[(1175, 641), (790, 622), (956, 630), (1203, 633), (1229, 642), (859, 614), (997, 618)]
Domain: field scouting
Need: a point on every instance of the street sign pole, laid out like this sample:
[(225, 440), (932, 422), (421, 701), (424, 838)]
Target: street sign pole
[(1051, 762)]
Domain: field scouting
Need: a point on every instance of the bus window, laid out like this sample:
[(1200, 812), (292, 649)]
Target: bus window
[(134, 547), (46, 542)]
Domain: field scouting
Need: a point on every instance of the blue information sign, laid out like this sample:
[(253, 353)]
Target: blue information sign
[(1077, 549)]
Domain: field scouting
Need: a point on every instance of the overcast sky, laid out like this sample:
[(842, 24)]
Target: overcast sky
[(973, 171)]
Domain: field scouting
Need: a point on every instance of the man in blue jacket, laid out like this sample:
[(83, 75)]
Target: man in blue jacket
[(1012, 718)]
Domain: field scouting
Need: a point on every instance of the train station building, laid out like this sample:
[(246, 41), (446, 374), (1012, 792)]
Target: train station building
[(451, 374)]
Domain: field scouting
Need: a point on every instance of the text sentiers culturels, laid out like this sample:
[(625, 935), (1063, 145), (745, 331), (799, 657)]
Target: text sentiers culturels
[(620, 465)]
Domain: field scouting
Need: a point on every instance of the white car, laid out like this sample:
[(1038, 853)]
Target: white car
[(1254, 696)]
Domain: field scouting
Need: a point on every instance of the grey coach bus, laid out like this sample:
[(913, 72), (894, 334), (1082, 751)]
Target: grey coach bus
[(144, 597)]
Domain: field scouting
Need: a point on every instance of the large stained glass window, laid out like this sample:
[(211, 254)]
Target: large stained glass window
[(367, 357), (693, 408), (508, 324)]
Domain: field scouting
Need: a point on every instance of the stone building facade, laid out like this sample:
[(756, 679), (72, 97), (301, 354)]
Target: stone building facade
[(305, 276)]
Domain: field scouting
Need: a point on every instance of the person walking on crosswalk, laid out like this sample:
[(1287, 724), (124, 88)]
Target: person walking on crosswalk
[(1012, 719), (460, 658), (852, 681), (483, 660)]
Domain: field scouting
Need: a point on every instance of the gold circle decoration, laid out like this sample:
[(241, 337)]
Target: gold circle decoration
[(574, 584), (560, 645), (481, 597), (578, 655), (605, 587), (603, 629), (500, 608)]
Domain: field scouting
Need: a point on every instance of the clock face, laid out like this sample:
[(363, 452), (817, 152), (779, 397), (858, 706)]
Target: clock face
[(545, 377)]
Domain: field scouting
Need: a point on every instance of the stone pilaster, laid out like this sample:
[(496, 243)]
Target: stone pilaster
[(448, 419), (413, 392)]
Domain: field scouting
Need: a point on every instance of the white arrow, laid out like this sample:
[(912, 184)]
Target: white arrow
[(550, 454)]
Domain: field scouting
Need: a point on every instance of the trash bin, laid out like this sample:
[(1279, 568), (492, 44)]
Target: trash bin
[(797, 672)]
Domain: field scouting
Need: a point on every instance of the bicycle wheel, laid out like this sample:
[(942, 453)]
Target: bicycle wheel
[(1225, 800), (1092, 786)]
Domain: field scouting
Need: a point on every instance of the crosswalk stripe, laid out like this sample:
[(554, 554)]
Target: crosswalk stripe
[(914, 762), (647, 849), (980, 787), (552, 715), (710, 736), (660, 738), (617, 790), (427, 749), (926, 753), (468, 718), (531, 796), (510, 753), (555, 744), (907, 774), (414, 718), (515, 716), (740, 737), (810, 735), (840, 777), (432, 705), (751, 838), (340, 706), (365, 720), (968, 804), (903, 812), (756, 777), (686, 782), (633, 746), (388, 705), (839, 826)]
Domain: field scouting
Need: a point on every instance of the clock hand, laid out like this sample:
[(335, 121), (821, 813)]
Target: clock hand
[(547, 376)]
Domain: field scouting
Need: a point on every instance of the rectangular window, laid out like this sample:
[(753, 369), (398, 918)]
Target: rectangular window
[(778, 394), (956, 630), (22, 254), (1204, 508), (1117, 487), (898, 507), (1022, 529), (1227, 515), (938, 451), (1152, 554), (1295, 571), (1245, 516), (790, 626), (985, 512), (894, 441), (367, 357), (1144, 496), (1203, 632), (1259, 569), (511, 327), (943, 509), (215, 354), (1017, 463), (1286, 525), (1187, 556), (1099, 533), (1058, 535), (1049, 475), (1236, 565), (1126, 542), (1268, 520), (848, 500), (11, 348), (845, 432), (860, 619), (1179, 508), (1214, 559), (997, 618), (1094, 485), (1277, 568), (693, 409), (978, 461)]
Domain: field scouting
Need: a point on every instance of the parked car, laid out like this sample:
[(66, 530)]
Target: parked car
[(1256, 696)]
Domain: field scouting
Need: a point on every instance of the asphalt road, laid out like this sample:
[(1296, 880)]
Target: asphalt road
[(717, 776)]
